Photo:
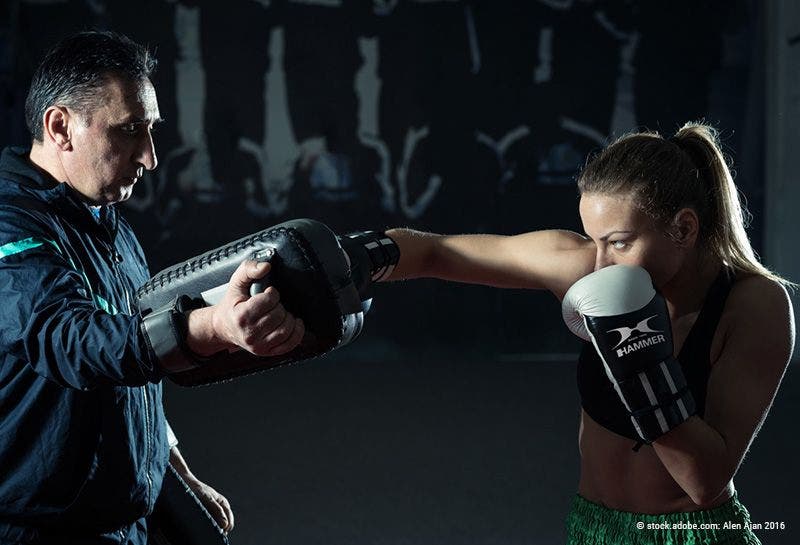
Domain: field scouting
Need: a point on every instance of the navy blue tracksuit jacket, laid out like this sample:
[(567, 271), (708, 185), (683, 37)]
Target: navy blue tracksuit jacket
[(83, 445)]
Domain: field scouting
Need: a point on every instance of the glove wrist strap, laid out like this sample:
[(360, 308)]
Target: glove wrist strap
[(382, 252), (653, 422)]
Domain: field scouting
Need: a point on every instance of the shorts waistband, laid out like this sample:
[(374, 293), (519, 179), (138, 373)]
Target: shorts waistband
[(590, 523)]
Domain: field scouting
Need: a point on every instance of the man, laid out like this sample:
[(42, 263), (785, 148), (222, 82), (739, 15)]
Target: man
[(85, 443)]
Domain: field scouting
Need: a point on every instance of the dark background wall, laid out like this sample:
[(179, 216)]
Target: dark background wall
[(440, 115), (453, 417)]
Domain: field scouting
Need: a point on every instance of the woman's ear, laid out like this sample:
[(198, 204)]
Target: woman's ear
[(685, 227)]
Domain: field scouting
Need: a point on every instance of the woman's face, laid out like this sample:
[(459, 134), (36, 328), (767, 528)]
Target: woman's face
[(623, 234)]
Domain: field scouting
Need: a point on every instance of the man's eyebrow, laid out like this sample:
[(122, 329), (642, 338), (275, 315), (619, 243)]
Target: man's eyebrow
[(135, 120)]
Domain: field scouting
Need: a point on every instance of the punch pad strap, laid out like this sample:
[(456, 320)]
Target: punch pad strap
[(165, 330)]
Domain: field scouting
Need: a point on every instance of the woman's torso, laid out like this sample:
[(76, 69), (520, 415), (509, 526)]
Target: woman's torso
[(616, 475)]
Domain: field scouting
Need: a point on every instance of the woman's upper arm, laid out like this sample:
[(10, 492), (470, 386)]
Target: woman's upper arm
[(754, 350), (550, 260)]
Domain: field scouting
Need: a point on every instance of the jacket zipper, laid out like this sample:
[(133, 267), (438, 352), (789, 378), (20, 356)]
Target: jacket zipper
[(116, 259), (145, 396)]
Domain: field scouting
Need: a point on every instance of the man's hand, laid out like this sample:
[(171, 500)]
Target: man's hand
[(258, 323), (216, 504)]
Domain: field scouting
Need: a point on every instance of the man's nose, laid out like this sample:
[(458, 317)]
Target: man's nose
[(146, 155)]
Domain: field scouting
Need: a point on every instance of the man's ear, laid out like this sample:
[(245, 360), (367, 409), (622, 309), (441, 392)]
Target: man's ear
[(685, 227), (57, 127)]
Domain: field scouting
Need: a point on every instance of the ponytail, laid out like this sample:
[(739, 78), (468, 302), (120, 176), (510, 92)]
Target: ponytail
[(686, 170), (727, 219)]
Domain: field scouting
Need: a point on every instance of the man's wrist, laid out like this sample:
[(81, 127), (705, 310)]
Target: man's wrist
[(202, 337)]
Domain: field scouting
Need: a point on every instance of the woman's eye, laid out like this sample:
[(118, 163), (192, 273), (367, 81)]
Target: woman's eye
[(619, 244)]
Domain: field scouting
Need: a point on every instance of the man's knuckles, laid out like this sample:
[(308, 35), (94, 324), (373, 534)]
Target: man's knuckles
[(281, 333)]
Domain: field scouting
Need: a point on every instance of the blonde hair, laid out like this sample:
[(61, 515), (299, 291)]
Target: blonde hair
[(668, 174)]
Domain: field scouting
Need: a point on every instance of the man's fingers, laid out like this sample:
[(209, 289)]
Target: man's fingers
[(260, 324), (280, 340), (255, 335), (226, 507), (216, 511), (245, 274), (291, 341), (253, 310), (281, 333), (264, 302), (272, 319)]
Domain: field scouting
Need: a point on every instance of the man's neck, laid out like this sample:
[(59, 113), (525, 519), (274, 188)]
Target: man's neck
[(47, 162)]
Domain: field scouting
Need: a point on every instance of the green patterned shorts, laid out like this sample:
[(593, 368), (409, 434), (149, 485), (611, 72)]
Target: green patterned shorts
[(591, 524)]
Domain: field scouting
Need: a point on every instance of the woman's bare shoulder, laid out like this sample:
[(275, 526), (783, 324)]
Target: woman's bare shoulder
[(758, 316), (757, 295)]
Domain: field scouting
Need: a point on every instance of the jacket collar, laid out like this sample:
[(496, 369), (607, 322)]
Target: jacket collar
[(17, 168)]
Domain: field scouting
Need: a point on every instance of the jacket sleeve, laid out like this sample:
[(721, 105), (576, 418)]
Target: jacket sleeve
[(50, 320)]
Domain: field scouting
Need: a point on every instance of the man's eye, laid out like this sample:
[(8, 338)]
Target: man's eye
[(130, 128)]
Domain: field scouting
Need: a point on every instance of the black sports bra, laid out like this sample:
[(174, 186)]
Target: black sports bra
[(598, 397)]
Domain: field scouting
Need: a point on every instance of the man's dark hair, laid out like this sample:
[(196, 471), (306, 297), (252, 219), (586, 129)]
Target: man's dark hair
[(73, 71)]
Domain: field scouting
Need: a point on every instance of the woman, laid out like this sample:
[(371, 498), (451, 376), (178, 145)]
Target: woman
[(671, 207)]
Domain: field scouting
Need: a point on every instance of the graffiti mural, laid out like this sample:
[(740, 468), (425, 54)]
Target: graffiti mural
[(452, 115)]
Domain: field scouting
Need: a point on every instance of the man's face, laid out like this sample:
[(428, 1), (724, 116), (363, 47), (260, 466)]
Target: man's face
[(113, 145)]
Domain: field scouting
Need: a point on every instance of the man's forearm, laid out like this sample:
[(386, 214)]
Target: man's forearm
[(177, 461)]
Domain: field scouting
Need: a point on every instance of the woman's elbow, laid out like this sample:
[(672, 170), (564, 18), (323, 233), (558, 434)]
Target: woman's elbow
[(706, 493)]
